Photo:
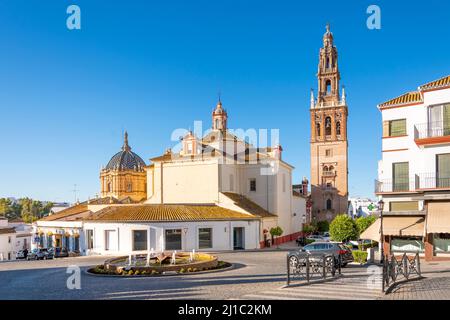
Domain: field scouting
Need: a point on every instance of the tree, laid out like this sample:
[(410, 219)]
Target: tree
[(343, 228), (323, 226), (276, 232), (309, 228), (364, 222)]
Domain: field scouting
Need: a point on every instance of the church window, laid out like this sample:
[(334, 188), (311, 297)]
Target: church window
[(338, 128), (129, 187), (328, 126), (325, 169), (328, 153), (329, 204), (328, 86), (109, 187), (318, 129), (328, 63), (189, 148), (217, 124)]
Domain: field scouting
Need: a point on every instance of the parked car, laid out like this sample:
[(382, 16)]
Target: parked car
[(331, 248), (40, 254), (315, 237), (60, 252), (22, 254), (326, 236)]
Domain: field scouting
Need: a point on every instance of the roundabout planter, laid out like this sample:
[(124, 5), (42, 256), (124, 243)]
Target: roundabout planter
[(179, 264)]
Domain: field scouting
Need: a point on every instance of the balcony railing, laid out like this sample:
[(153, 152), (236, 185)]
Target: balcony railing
[(328, 173), (415, 183), (431, 130)]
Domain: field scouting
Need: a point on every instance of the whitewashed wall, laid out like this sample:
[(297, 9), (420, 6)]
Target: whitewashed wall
[(222, 234)]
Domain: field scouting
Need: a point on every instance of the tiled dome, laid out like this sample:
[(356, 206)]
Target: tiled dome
[(126, 159)]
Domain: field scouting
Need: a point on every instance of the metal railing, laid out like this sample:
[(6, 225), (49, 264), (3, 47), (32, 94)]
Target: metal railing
[(431, 130), (306, 266), (417, 182), (399, 268)]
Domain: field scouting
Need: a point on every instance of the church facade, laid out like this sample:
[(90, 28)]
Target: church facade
[(329, 145), (218, 192)]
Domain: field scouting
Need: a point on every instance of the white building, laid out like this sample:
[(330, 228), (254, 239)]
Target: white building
[(14, 236), (361, 207), (217, 193), (414, 173)]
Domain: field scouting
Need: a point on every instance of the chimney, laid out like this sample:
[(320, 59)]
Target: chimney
[(305, 183), (277, 151)]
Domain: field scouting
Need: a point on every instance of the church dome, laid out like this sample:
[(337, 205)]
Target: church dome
[(126, 159)]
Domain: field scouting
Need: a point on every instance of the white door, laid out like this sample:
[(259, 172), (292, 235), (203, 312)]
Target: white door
[(110, 240)]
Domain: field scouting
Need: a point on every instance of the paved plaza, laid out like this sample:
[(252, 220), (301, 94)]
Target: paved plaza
[(258, 275)]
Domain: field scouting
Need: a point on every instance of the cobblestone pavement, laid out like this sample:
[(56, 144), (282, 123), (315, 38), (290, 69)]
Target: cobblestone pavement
[(435, 284)]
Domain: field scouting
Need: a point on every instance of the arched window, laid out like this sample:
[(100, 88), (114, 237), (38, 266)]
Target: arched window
[(328, 63), (217, 124), (338, 128), (328, 126), (329, 204), (325, 169), (129, 187), (318, 129), (328, 86), (109, 187)]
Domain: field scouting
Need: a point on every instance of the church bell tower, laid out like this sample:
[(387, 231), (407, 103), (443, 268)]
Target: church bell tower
[(329, 146)]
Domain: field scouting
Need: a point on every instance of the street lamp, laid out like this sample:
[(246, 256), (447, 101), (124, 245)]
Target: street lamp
[(381, 207)]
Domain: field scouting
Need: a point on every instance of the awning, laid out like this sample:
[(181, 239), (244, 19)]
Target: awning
[(395, 226), (438, 218)]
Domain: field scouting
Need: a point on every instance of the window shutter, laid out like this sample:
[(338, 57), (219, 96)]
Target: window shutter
[(385, 128), (446, 119)]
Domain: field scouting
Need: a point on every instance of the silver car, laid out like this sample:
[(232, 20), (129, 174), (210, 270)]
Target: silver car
[(329, 248)]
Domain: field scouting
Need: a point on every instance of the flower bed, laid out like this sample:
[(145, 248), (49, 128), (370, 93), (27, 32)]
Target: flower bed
[(160, 264), (151, 271)]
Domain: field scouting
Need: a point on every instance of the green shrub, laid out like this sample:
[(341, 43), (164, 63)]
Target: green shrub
[(343, 228), (364, 222), (155, 272), (323, 226), (360, 256), (307, 228), (182, 270), (137, 272), (308, 241)]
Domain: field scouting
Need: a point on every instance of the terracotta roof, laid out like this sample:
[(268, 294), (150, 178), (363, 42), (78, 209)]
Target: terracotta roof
[(7, 230), (248, 205), (440, 83), (404, 99), (66, 213), (167, 212)]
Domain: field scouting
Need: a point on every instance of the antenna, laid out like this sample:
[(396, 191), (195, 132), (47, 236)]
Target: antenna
[(75, 190)]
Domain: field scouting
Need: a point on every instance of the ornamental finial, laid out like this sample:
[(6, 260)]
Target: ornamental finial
[(125, 147)]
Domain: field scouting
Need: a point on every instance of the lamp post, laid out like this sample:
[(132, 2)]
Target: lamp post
[(381, 207)]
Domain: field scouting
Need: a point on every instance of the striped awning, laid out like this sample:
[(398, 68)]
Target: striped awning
[(395, 226), (438, 218)]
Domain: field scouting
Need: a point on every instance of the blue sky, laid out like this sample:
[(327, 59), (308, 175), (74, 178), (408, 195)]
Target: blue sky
[(153, 66)]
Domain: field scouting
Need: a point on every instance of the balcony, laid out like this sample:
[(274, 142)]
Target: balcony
[(432, 133), (414, 184), (328, 173)]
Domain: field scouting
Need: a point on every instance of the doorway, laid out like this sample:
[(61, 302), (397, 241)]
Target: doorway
[(238, 238)]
